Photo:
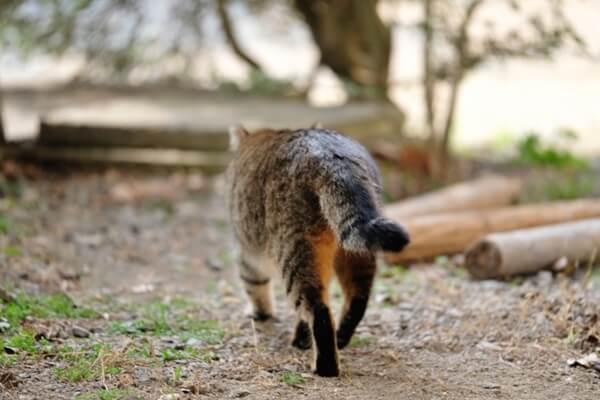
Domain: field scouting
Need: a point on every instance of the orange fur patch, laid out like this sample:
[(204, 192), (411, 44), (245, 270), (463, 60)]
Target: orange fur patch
[(325, 247), (343, 270)]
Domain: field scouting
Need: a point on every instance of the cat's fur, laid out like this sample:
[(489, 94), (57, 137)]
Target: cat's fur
[(304, 205)]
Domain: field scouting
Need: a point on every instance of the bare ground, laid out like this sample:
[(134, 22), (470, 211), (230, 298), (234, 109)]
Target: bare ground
[(123, 242)]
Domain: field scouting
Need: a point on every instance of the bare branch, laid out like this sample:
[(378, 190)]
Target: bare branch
[(428, 73), (232, 40)]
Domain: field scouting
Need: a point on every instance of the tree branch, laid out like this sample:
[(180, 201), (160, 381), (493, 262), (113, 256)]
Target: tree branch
[(227, 26), (2, 138), (428, 78), (461, 45)]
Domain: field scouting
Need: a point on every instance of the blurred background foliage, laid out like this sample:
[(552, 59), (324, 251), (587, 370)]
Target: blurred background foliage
[(120, 39)]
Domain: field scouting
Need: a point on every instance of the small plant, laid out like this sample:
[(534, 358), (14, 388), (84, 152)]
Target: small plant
[(571, 187), (104, 394), (4, 225), (88, 364), (78, 371), (292, 378), (532, 150), (161, 319), (12, 252), (174, 355), (360, 341), (145, 350), (58, 305), (459, 272), (572, 337), (177, 375), (23, 341), (207, 331), (398, 272), (7, 360)]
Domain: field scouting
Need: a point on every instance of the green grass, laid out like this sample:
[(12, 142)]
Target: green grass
[(533, 151), (207, 331), (570, 187), (86, 365), (158, 318), (7, 360), (105, 394), (24, 341), (78, 371), (57, 306), (396, 272), (292, 378), (174, 355), (459, 272), (145, 350), (360, 341), (12, 252), (177, 375), (572, 337), (4, 225), (168, 319)]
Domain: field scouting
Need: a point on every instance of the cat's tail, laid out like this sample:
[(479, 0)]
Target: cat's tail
[(350, 208)]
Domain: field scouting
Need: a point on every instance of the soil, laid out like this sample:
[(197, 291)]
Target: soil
[(116, 240)]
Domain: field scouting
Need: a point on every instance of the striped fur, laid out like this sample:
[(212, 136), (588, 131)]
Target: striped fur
[(305, 206)]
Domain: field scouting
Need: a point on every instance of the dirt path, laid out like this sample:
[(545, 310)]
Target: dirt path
[(153, 256)]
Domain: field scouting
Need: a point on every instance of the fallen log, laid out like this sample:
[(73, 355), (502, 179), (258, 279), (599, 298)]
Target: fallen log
[(453, 232), (528, 250), (211, 162), (163, 137), (482, 193)]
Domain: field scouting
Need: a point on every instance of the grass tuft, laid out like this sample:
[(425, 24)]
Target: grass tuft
[(105, 394), (292, 378), (166, 319), (88, 365), (360, 341), (58, 306)]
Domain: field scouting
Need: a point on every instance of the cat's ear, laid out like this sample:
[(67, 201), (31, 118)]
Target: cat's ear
[(317, 125), (237, 134)]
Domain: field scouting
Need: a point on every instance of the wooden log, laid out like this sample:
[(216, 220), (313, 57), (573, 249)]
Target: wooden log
[(528, 250), (171, 118), (453, 232), (482, 193), (183, 138), (206, 161)]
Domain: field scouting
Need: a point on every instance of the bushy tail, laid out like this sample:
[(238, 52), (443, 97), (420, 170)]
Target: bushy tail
[(349, 207), (386, 235)]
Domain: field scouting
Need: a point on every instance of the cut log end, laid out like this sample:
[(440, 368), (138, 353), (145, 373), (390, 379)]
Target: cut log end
[(483, 260), (526, 251)]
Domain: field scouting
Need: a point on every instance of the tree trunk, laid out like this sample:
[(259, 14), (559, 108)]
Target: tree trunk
[(353, 40), (2, 138)]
